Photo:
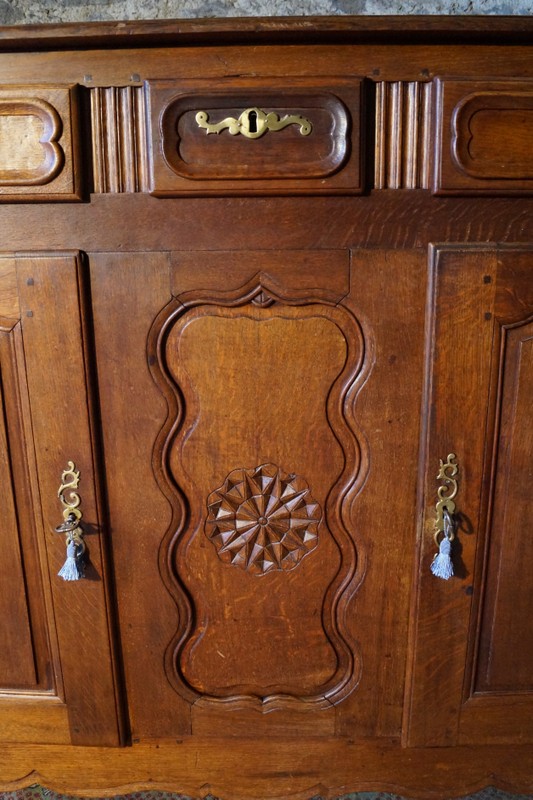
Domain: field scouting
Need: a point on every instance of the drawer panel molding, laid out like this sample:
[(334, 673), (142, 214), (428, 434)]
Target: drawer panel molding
[(197, 147), (483, 137), (38, 144)]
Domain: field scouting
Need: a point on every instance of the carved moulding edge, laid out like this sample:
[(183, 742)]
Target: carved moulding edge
[(53, 128), (338, 504)]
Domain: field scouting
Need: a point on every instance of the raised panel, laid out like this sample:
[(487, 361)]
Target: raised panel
[(266, 456), (29, 131), (31, 689), (487, 152), (484, 131), (505, 659), (205, 151), (239, 137), (16, 671), (29, 657), (38, 144)]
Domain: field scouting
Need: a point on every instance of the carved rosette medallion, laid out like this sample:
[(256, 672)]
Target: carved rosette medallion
[(262, 519)]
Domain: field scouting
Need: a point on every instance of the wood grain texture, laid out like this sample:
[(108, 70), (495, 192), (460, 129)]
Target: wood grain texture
[(393, 313), (325, 272), (354, 29), (29, 718), (9, 299), (114, 277), (21, 128), (395, 62), (139, 514), (384, 219)]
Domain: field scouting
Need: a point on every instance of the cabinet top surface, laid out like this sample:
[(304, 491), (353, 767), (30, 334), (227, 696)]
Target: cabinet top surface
[(251, 30)]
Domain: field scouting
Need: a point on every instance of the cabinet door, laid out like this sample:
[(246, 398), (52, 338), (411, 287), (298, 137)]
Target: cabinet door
[(473, 670), (254, 428), (56, 671)]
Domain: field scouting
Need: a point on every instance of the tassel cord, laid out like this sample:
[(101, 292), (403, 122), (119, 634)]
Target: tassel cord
[(442, 564), (72, 569)]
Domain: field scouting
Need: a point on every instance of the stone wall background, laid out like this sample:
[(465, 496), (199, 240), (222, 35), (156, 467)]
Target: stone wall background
[(15, 12)]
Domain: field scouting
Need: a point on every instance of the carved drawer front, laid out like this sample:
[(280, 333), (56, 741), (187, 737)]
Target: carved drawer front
[(484, 141), (286, 137), (38, 133)]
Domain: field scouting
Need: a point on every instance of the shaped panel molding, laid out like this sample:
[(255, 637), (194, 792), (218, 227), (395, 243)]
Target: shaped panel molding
[(301, 136), (484, 135), (269, 407), (38, 144)]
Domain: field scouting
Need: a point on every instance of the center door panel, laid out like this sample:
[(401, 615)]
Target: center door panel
[(248, 452)]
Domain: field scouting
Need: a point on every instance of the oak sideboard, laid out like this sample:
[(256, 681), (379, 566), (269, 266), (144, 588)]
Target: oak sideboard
[(266, 441)]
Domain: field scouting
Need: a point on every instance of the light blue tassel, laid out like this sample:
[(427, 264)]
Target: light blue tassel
[(72, 569), (442, 566)]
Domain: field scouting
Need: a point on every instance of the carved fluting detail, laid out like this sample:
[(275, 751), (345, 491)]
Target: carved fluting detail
[(118, 131), (263, 520), (403, 144)]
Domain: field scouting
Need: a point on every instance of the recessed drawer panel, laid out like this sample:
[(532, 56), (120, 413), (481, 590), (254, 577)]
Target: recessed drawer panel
[(485, 136), (39, 144), (258, 138)]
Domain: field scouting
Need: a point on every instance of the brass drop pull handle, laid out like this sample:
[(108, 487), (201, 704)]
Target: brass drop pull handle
[(253, 123), (445, 521), (73, 568)]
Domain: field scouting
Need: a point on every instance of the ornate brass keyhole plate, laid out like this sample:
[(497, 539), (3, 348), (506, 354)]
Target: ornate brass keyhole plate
[(253, 123)]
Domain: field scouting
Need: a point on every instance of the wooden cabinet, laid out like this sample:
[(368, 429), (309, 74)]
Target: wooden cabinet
[(251, 297)]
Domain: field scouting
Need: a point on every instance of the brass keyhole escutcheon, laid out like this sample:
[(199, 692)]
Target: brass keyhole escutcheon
[(253, 123)]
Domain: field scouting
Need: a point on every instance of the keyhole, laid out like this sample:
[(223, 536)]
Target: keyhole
[(252, 121)]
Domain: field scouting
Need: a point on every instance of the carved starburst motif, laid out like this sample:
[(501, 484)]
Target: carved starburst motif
[(263, 519)]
